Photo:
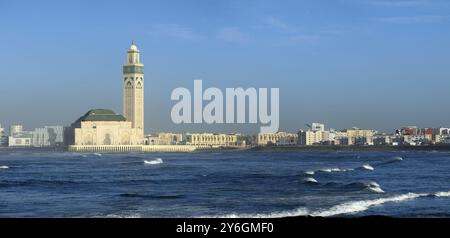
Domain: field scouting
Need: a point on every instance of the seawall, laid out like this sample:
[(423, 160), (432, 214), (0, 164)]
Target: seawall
[(131, 148)]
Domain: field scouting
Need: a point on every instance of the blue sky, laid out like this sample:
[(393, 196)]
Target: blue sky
[(378, 64)]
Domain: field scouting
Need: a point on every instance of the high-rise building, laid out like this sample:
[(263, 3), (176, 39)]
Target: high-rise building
[(133, 90)]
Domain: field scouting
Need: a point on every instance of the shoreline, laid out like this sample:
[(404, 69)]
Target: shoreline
[(351, 148), (272, 149)]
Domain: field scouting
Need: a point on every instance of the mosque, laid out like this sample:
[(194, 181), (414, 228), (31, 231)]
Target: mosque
[(104, 127), (103, 130)]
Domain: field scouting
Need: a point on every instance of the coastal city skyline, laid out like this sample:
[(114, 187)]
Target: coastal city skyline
[(268, 115), (381, 67), (107, 131)]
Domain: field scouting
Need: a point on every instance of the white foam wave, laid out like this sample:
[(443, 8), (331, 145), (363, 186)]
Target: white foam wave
[(397, 158), (4, 167), (359, 206), (331, 170), (310, 172), (137, 215), (376, 189), (311, 180), (442, 194), (341, 209), (90, 155), (368, 167), (293, 213), (373, 184), (334, 170), (153, 162)]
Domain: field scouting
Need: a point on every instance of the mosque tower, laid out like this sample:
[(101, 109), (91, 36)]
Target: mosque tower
[(133, 90)]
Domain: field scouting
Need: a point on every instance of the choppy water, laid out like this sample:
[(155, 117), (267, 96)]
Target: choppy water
[(241, 184)]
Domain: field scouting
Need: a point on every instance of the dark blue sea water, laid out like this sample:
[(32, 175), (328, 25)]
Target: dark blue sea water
[(230, 184)]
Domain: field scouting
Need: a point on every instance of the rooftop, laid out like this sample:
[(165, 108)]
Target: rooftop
[(101, 115)]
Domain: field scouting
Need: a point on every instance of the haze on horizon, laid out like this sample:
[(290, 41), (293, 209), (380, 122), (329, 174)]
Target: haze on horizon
[(379, 64)]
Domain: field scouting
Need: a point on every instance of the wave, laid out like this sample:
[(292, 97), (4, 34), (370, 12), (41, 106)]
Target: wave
[(348, 187), (371, 186), (441, 194), (351, 207), (296, 212), (153, 162), (136, 215), (367, 167), (374, 187), (331, 170), (310, 180), (309, 172), (398, 158), (91, 155), (363, 205), (392, 160), (364, 166), (4, 167), (328, 170)]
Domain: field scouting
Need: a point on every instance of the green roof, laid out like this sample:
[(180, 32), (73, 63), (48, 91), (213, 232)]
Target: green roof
[(102, 115)]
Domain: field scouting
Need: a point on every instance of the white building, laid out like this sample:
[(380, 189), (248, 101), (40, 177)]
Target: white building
[(48, 136), (212, 139), (22, 139), (315, 135), (164, 139), (278, 138), (2, 131), (103, 127), (444, 131), (106, 128), (317, 126), (442, 136), (15, 130), (414, 139), (3, 138)]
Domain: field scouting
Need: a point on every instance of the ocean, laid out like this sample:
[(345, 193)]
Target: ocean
[(225, 184)]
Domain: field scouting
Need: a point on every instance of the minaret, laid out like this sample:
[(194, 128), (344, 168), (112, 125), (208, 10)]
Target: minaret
[(133, 90)]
